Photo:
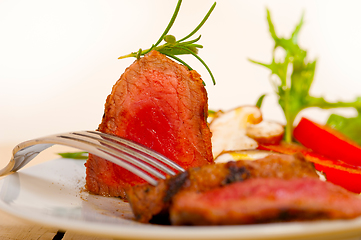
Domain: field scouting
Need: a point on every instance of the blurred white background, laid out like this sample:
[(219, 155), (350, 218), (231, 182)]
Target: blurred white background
[(58, 59)]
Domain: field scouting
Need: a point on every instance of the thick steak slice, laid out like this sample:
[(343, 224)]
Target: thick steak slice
[(160, 104), (262, 200), (151, 203)]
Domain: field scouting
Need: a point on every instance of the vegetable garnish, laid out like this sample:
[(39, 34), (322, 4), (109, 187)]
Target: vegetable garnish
[(260, 101), (328, 142), (350, 127), (338, 172), (211, 113), (74, 155), (172, 47), (295, 76)]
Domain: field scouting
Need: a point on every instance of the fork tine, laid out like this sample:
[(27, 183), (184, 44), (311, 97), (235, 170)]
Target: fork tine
[(140, 148), (127, 147), (140, 160), (26, 151), (118, 157)]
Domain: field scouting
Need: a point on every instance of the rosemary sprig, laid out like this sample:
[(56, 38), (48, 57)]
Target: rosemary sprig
[(172, 47)]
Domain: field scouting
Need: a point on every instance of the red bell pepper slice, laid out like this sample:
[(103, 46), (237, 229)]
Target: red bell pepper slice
[(338, 172), (327, 141)]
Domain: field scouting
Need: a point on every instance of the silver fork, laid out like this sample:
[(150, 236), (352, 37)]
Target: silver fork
[(138, 159)]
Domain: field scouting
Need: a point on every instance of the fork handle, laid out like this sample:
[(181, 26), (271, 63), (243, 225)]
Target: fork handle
[(22, 155)]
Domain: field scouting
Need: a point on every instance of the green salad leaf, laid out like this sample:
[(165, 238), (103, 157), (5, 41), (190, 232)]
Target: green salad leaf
[(292, 77), (350, 127)]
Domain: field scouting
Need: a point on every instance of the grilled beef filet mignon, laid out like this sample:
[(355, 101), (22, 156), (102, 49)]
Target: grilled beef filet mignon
[(151, 203), (264, 200), (160, 104)]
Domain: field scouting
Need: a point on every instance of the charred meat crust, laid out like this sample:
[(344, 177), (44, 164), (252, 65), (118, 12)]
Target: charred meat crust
[(149, 201), (174, 185)]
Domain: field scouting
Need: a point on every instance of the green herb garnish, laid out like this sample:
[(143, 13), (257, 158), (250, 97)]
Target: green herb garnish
[(350, 127), (294, 78), (211, 113), (172, 47), (260, 101), (74, 155)]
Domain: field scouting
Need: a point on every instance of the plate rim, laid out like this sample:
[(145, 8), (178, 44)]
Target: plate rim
[(149, 231)]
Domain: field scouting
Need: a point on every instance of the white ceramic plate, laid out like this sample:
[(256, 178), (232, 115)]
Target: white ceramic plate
[(53, 194)]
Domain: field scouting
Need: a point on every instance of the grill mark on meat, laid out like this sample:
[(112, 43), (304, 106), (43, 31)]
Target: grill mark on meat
[(236, 174), (287, 215)]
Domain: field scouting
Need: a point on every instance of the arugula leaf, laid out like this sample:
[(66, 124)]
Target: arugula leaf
[(294, 77), (350, 127)]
